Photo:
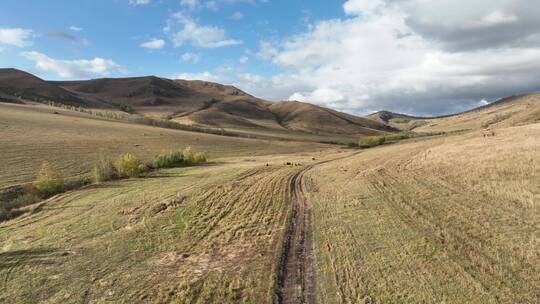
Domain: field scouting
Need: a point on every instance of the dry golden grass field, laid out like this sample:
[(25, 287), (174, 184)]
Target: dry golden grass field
[(447, 220), (72, 142), (208, 234), (443, 219)]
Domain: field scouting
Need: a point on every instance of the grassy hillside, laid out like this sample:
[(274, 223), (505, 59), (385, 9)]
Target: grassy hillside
[(512, 111), (189, 102), (15, 84), (447, 220), (307, 117), (508, 112), (72, 142), (399, 121)]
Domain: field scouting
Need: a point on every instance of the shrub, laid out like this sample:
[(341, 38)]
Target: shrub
[(127, 109), (129, 166), (199, 158), (168, 160), (104, 170), (22, 200), (397, 137), (48, 181), (372, 141), (9, 214), (189, 155)]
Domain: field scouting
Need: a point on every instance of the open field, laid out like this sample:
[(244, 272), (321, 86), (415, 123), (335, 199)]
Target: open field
[(297, 135), (447, 220), (72, 142), (190, 235)]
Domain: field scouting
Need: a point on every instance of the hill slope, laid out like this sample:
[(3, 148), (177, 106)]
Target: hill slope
[(15, 84), (189, 102), (510, 111), (307, 117)]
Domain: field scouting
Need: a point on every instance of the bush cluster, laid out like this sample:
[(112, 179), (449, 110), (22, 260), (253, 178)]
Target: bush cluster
[(168, 160), (129, 166), (397, 137), (126, 166), (178, 159), (104, 170), (48, 182), (372, 141)]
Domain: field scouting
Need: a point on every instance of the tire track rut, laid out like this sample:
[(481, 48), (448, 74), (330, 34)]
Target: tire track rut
[(296, 273)]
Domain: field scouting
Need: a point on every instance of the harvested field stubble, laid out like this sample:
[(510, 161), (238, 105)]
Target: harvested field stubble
[(452, 220)]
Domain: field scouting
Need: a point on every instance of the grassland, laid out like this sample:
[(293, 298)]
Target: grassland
[(296, 135), (446, 220), (520, 111), (190, 235), (73, 141)]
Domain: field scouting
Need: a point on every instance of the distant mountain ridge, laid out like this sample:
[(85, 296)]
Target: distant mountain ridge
[(189, 102), (513, 110)]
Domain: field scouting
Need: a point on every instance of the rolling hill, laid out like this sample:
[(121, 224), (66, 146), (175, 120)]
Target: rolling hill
[(188, 102), (16, 85), (510, 111)]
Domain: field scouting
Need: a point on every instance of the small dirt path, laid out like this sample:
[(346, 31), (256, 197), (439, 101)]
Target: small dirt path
[(296, 275)]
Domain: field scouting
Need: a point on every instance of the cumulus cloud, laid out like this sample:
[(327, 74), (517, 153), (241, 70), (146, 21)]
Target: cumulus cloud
[(414, 56), (139, 2), (205, 76), (267, 50), (72, 68), (198, 35), (190, 3), (15, 37), (243, 59), (75, 28), (215, 5), (464, 25), (237, 16), (190, 57), (154, 44)]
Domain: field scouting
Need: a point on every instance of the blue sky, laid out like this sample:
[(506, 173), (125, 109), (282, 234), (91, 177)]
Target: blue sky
[(116, 29), (413, 56)]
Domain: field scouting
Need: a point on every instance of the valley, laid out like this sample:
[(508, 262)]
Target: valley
[(288, 210)]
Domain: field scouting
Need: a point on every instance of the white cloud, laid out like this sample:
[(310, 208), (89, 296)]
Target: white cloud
[(226, 69), (243, 59), (362, 7), (205, 76), (321, 95), (237, 16), (72, 68), (190, 3), (15, 37), (139, 2), (497, 17), (215, 5), (381, 57), (267, 50), (197, 35), (75, 28), (191, 57), (154, 44)]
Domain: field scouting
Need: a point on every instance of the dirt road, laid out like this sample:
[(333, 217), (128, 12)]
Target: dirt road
[(296, 276)]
